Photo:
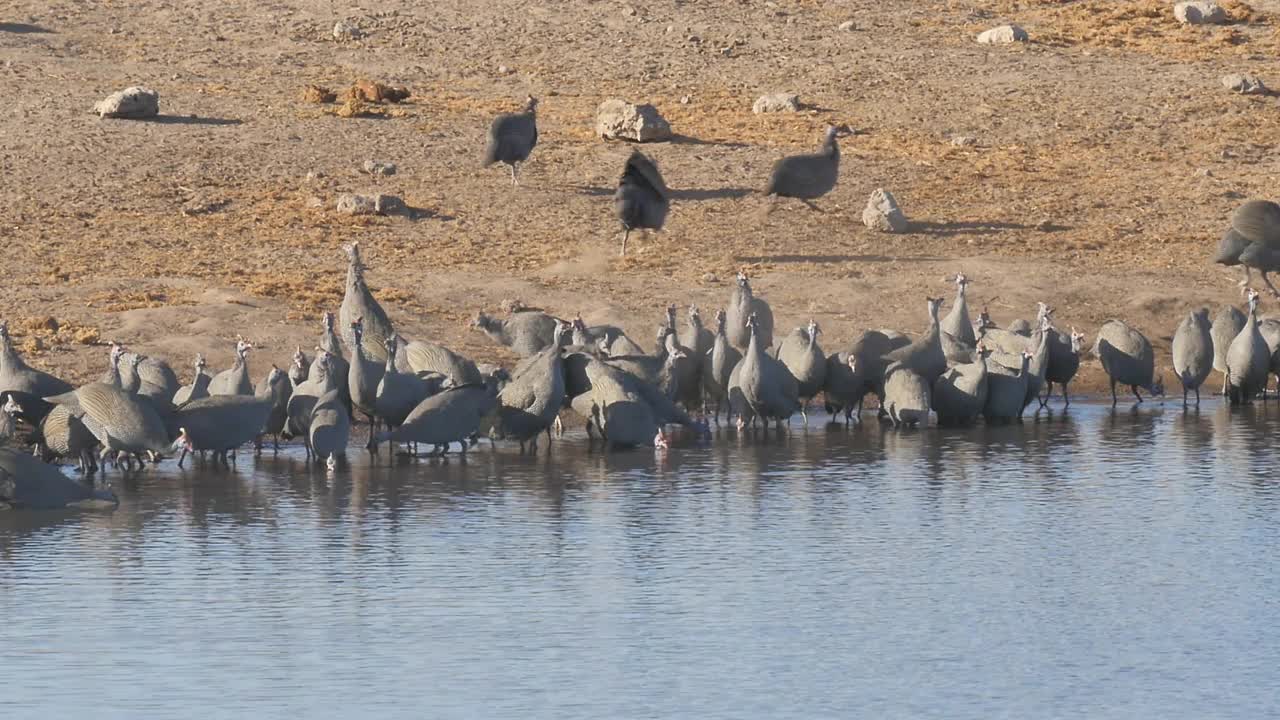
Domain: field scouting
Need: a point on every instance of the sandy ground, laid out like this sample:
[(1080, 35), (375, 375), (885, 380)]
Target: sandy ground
[(1108, 158)]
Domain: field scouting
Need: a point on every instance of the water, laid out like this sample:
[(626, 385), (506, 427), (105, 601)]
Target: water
[(1091, 565)]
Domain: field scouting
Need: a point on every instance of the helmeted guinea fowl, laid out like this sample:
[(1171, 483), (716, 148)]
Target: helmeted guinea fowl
[(199, 387), (303, 400), (660, 369), (718, 365), (277, 384), (114, 375), (642, 199), (864, 366), (906, 396), (29, 384), (358, 302), (121, 422), (399, 393), (1253, 241), (957, 323), (64, 435), (802, 355), (609, 339), (526, 332), (687, 367), (769, 390), (512, 137), (844, 387), (1227, 324), (1039, 349), (1193, 352), (452, 415), (428, 357), (1270, 329), (155, 378), (1006, 340), (222, 423), (28, 484), (742, 305), (339, 368), (1127, 357), (234, 381), (696, 336), (531, 402), (618, 407), (330, 429), (924, 355), (1021, 326), (364, 375), (1248, 359), (1006, 391), (807, 177), (1064, 363), (960, 394), (298, 368)]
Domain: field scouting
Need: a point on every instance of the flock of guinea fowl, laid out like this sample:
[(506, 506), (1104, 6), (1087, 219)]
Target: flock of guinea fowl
[(423, 394)]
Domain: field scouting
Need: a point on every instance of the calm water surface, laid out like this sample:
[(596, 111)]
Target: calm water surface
[(1089, 565)]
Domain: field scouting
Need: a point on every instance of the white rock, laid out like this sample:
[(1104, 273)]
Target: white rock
[(882, 213), (1244, 84), (621, 119), (1199, 12), (372, 167), (133, 103), (776, 102), (963, 141), (1003, 35), (848, 26), (347, 30)]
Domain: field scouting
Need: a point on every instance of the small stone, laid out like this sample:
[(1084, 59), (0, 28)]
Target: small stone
[(629, 11), (710, 278), (388, 204), (848, 26), (963, 141), (620, 119), (353, 204), (1204, 172), (344, 30), (1199, 12), (882, 213), (372, 167), (315, 175), (776, 102), (685, 99), (315, 203), (1003, 35), (503, 69), (1244, 84), (133, 103)]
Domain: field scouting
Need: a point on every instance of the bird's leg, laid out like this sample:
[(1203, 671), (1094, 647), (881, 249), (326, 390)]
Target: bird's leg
[(626, 233), (1136, 393), (182, 457), (811, 205), (514, 182), (1114, 398), (1247, 281), (559, 426), (1184, 396), (1197, 396), (1267, 281)]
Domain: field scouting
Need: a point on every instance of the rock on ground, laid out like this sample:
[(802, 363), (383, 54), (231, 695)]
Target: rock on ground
[(133, 103), (1003, 35), (372, 167), (621, 119), (1244, 84), (1199, 12), (346, 30), (357, 204), (882, 213), (776, 102)]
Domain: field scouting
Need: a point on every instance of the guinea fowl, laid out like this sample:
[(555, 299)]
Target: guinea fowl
[(769, 391), (1193, 352), (113, 376), (399, 393), (609, 339), (1006, 391), (960, 394), (427, 357), (695, 336), (298, 368), (330, 429), (1064, 363), (957, 323), (121, 422), (526, 332), (364, 375), (1270, 329), (303, 400), (29, 384), (339, 368), (60, 434), (512, 137), (807, 177), (906, 396), (1039, 360), (802, 355), (1248, 359), (28, 484), (687, 367), (1227, 324), (718, 365), (531, 402), (1127, 357), (742, 305), (660, 369), (845, 386), (199, 387), (234, 381), (155, 378), (279, 386), (619, 406), (222, 423), (1008, 341), (924, 355), (358, 302), (1253, 241), (865, 362), (1021, 327), (642, 199), (453, 415)]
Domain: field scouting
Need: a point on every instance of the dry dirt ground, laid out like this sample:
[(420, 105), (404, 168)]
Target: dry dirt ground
[(1108, 158)]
